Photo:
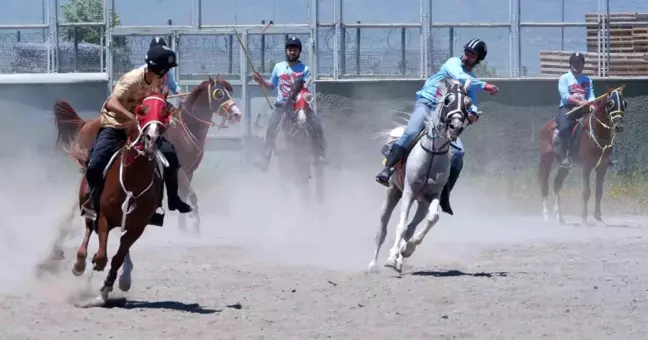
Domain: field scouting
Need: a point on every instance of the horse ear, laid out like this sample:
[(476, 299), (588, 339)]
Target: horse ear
[(211, 80)]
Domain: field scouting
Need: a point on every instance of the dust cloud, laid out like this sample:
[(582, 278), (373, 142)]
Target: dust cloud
[(240, 206)]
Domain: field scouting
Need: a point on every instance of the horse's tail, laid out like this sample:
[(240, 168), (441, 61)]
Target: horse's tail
[(400, 123), (76, 150), (68, 123)]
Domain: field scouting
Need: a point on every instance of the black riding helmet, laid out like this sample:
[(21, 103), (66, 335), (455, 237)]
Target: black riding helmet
[(293, 41), (160, 59), (478, 47), (576, 56), (157, 41)]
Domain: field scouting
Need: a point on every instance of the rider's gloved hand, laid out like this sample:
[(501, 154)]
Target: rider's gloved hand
[(490, 88), (259, 79), (473, 117)]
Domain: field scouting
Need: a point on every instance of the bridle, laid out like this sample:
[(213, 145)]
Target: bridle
[(462, 102), (614, 110)]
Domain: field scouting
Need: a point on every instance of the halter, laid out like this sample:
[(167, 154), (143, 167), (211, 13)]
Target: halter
[(445, 121), (613, 110), (218, 94), (126, 206)]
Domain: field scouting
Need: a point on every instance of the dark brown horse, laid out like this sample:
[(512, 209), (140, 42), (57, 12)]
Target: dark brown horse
[(132, 190), (188, 133), (294, 150), (592, 142)]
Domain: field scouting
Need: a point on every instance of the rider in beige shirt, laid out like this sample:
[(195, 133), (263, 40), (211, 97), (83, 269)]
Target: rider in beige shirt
[(130, 91)]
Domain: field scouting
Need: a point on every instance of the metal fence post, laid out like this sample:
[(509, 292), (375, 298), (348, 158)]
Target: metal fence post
[(108, 18), (196, 13), (314, 48), (245, 93), (337, 53), (52, 21)]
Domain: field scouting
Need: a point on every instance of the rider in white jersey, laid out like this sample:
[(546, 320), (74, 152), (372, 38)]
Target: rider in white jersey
[(283, 77)]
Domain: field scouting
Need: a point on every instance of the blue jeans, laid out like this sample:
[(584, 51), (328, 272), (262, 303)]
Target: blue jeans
[(416, 124)]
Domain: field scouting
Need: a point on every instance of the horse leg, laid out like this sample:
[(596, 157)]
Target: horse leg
[(319, 184), (421, 211), (432, 219), (184, 190), (546, 161), (598, 192), (395, 259), (587, 172), (392, 197), (128, 238), (125, 279), (100, 258), (80, 264), (558, 183)]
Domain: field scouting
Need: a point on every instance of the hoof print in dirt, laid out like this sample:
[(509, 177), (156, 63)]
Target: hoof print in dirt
[(235, 306)]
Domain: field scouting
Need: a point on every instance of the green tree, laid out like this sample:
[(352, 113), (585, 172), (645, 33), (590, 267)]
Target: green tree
[(88, 11)]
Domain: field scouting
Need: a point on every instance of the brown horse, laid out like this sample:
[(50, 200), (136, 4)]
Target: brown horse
[(188, 134), (295, 154), (133, 187), (592, 142)]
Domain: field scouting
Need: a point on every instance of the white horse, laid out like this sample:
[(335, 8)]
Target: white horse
[(423, 174)]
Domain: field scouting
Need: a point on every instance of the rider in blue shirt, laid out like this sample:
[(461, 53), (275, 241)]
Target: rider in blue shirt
[(284, 75), (575, 89), (427, 98)]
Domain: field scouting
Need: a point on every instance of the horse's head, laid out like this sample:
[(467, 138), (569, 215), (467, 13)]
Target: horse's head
[(152, 119), (615, 107), (454, 107), (301, 99), (213, 97)]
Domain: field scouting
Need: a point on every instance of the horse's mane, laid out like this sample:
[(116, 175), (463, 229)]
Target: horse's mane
[(400, 122), (193, 96)]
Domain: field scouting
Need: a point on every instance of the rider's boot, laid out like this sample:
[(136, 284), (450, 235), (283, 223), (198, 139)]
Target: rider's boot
[(444, 200), (564, 145), (263, 163), (396, 153), (157, 219), (317, 140), (174, 200), (95, 201)]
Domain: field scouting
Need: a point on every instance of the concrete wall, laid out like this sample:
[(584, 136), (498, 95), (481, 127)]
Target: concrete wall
[(353, 111)]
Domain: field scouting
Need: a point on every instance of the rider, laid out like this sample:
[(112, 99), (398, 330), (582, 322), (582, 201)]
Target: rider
[(169, 79), (575, 89), (283, 77), (460, 68), (129, 91)]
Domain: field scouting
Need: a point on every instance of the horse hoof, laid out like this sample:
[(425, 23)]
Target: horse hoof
[(372, 267), (105, 292), (125, 283), (408, 249), (79, 268), (394, 264)]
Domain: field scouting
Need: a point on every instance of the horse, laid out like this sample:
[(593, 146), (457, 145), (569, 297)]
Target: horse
[(592, 141), (207, 99), (133, 183), (422, 175), (295, 152), (188, 132)]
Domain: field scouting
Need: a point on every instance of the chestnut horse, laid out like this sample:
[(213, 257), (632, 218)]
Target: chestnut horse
[(188, 134), (133, 187), (592, 142), (295, 151)]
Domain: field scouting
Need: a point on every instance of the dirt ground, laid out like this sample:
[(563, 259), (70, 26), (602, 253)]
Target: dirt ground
[(474, 278), (264, 267)]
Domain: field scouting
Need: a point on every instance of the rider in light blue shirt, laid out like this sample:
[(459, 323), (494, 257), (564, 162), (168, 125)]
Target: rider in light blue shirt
[(284, 75), (459, 68), (575, 89)]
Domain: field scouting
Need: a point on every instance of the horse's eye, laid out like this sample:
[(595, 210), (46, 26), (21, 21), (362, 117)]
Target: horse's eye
[(449, 99)]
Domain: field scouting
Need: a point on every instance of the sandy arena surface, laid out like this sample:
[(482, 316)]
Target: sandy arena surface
[(260, 269)]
